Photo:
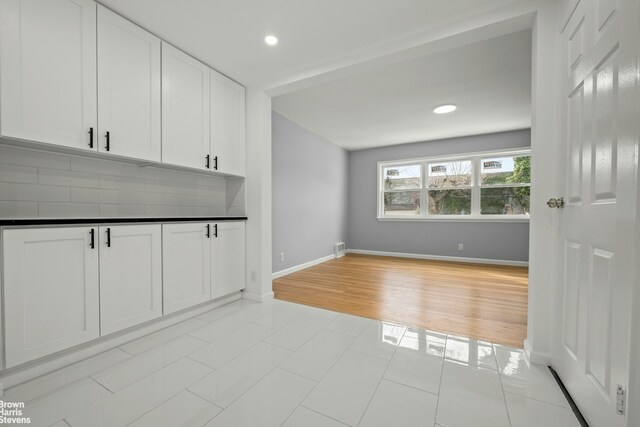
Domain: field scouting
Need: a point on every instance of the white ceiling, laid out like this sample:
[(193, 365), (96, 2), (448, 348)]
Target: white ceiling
[(489, 81), (228, 34)]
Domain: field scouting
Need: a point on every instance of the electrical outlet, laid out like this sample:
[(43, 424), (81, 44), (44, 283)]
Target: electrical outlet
[(460, 247), (281, 256), (254, 277)]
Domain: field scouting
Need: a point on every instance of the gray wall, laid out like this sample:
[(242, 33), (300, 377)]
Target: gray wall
[(500, 241), (309, 194), (36, 183)]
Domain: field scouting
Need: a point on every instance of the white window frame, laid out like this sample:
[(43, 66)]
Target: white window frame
[(475, 215)]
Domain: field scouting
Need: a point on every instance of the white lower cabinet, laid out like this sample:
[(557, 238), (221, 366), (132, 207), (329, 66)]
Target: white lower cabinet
[(227, 258), (65, 286), (51, 296), (186, 265), (130, 276), (201, 261)]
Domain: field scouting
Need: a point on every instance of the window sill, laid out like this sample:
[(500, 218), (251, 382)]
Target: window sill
[(458, 219)]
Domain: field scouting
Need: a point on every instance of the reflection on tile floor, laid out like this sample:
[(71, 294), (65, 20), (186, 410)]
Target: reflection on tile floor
[(279, 363)]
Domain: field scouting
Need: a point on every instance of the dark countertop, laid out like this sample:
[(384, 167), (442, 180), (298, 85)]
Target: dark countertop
[(76, 221)]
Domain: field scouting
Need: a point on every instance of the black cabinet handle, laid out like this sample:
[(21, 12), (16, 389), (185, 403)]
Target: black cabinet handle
[(207, 158), (90, 137), (215, 230), (92, 243), (208, 231), (215, 163), (108, 142), (108, 237)]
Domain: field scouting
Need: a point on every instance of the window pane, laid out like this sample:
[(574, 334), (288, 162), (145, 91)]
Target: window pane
[(505, 170), (449, 174), (449, 202), (504, 201), (406, 177), (402, 203)]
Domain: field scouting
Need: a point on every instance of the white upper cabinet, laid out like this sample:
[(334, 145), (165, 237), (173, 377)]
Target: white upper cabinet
[(186, 265), (185, 110), (227, 258), (227, 125), (48, 71), (130, 276), (128, 88), (50, 291), (77, 75)]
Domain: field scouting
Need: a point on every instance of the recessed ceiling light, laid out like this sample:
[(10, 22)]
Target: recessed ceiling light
[(444, 109), (271, 40)]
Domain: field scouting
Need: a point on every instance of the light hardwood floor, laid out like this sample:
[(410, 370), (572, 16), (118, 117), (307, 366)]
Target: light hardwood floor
[(487, 302)]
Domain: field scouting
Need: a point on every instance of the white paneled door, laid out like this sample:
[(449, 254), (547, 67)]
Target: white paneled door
[(186, 265), (600, 71), (227, 258), (130, 276), (50, 291), (128, 88), (48, 71)]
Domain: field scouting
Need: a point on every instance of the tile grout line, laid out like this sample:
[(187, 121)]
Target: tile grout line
[(537, 400), (244, 392), (319, 413), (254, 384), (331, 367), (381, 377), (165, 400), (409, 386), (504, 396), (262, 377), (133, 357), (444, 358)]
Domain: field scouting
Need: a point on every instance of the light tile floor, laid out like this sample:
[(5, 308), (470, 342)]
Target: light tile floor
[(279, 363)]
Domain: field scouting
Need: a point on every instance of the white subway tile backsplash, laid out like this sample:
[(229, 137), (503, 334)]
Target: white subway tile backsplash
[(122, 183), (140, 198), (37, 183), (17, 173), (150, 173), (94, 195), (33, 158), (68, 210), (122, 210), (68, 178), (97, 166), (33, 192), (179, 199), (12, 209)]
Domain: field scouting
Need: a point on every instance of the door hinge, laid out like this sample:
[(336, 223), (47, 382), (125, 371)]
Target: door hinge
[(620, 400)]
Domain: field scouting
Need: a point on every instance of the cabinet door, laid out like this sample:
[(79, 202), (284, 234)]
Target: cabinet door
[(50, 291), (185, 109), (227, 124), (228, 258), (186, 265), (48, 71), (128, 88), (130, 276)]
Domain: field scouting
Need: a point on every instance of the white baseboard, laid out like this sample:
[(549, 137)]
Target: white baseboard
[(536, 357), (299, 267), (440, 257), (36, 368), (257, 297)]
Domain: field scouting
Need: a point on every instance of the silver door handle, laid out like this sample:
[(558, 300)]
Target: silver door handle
[(556, 203)]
